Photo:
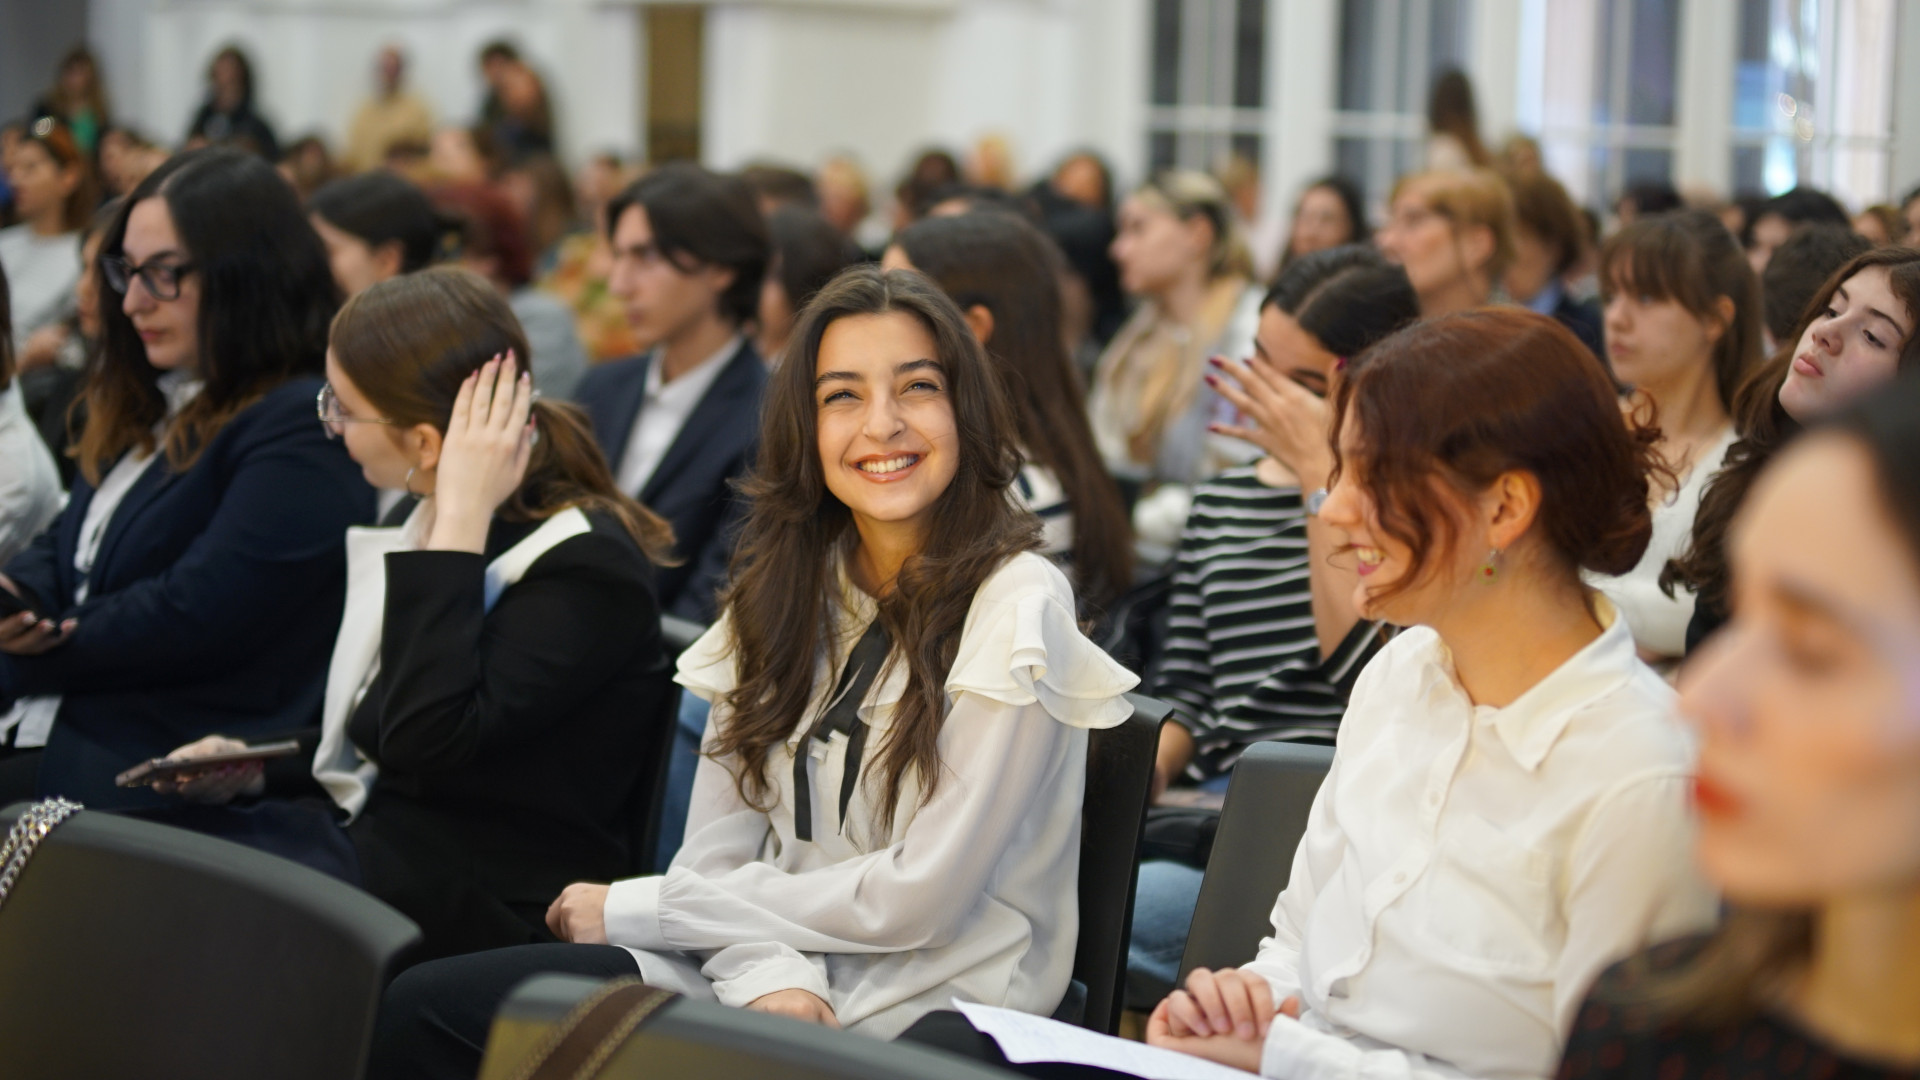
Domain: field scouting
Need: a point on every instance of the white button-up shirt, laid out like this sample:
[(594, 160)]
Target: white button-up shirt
[(971, 896), (1467, 871), (663, 412)]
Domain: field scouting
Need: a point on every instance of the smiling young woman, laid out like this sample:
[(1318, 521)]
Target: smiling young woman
[(1506, 811), (893, 773)]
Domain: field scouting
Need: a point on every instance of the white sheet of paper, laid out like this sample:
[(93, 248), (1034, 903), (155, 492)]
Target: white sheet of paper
[(1024, 1037)]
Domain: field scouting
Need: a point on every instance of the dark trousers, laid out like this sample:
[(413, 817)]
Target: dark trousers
[(951, 1032), (434, 1019), (19, 775)]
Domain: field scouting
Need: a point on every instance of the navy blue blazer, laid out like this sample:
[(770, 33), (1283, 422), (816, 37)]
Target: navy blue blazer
[(214, 602), (692, 488)]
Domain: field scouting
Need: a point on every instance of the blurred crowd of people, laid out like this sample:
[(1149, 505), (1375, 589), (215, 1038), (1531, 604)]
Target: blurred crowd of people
[(1227, 454)]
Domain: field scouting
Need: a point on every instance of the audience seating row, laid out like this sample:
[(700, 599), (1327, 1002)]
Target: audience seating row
[(199, 935)]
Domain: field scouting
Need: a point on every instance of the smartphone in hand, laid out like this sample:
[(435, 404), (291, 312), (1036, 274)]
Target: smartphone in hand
[(12, 606), (145, 773)]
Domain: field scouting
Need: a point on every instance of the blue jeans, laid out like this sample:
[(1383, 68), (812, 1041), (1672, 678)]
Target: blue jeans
[(1163, 904), (682, 760)]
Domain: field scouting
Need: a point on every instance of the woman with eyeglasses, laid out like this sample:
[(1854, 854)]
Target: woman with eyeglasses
[(497, 693), (1453, 231), (194, 580)]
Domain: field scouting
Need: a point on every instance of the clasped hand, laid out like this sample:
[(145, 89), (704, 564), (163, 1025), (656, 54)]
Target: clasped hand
[(1222, 1016), (484, 457)]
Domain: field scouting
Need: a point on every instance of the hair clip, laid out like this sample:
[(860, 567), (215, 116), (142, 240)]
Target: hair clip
[(43, 127), (1339, 363)]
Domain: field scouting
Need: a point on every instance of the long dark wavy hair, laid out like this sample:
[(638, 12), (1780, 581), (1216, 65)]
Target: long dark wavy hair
[(1009, 267), (785, 594), (266, 297), (1764, 427)]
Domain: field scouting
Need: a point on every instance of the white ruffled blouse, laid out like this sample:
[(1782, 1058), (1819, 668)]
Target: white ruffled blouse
[(970, 896)]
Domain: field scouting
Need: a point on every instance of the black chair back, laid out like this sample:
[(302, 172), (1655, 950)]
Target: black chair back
[(128, 948), (1119, 780), (702, 1040), (1260, 827)]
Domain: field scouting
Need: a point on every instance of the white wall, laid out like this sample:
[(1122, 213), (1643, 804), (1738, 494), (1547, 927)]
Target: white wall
[(313, 59), (795, 80)]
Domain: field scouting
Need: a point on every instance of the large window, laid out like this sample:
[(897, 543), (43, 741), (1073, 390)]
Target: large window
[(1209, 82), (1813, 96), (1610, 71), (1390, 53)]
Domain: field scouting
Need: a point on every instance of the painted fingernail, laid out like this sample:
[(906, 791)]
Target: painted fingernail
[(1216, 361), (1213, 380)]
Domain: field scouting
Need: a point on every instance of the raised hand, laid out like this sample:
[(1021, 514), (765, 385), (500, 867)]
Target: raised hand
[(1291, 422), (484, 456)]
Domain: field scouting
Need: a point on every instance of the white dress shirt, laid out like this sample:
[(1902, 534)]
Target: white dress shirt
[(29, 483), (970, 896), (663, 412), (1658, 621), (1467, 871)]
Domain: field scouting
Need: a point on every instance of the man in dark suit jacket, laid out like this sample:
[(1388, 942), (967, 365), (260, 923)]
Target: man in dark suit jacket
[(681, 421)]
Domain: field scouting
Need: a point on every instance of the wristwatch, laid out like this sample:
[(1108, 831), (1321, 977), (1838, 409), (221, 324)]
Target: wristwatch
[(1315, 501)]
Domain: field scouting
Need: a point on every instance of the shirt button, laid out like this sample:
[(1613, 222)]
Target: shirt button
[(1433, 798), (1400, 879)]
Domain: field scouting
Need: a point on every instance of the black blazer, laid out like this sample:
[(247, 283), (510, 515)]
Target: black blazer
[(1584, 319), (692, 487), (214, 601), (515, 745)]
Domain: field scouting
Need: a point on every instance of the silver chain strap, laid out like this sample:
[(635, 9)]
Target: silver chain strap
[(33, 827)]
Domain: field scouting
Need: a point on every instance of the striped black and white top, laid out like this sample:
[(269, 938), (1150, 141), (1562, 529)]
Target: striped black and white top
[(1241, 663)]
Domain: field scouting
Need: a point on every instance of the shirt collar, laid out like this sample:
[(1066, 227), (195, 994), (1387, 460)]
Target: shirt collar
[(1534, 721), (693, 385), (1547, 298)]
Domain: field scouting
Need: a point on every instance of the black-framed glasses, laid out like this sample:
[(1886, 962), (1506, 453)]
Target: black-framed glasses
[(162, 279), (333, 419)]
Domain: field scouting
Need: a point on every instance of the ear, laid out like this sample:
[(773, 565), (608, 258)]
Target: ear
[(1510, 506), (980, 321), (1200, 232), (1476, 243), (1721, 320), (720, 278), (423, 443), (388, 258)]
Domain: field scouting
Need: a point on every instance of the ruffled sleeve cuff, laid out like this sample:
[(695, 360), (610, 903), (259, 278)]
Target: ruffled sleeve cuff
[(632, 914), (1022, 645), (707, 667)]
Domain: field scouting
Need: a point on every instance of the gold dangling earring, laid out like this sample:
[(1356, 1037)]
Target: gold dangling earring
[(408, 482), (1490, 570)]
